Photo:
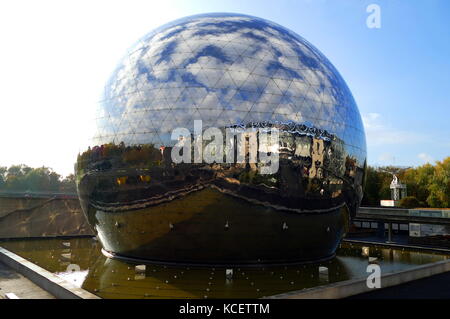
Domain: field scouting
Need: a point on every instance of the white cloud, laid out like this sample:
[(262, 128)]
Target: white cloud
[(426, 158), (386, 158), (370, 119), (380, 132)]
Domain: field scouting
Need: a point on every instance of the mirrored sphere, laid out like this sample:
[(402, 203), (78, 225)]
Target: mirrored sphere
[(231, 72)]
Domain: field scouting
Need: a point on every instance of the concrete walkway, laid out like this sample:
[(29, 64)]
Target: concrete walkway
[(13, 282), (434, 287)]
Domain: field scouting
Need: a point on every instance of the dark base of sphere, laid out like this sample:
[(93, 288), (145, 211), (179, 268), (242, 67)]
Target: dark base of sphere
[(135, 260), (208, 227)]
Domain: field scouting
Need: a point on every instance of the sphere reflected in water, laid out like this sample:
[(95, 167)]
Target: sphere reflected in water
[(220, 73)]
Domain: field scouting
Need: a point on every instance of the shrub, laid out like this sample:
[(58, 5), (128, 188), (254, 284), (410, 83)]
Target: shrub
[(409, 202)]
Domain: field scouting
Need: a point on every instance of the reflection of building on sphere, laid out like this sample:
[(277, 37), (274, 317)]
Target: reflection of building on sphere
[(229, 71)]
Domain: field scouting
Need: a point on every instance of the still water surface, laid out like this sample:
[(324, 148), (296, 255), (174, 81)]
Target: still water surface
[(81, 262)]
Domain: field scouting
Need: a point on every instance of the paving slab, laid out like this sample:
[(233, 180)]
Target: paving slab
[(13, 282)]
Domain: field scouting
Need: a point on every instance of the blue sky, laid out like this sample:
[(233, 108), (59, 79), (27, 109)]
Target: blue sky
[(56, 57)]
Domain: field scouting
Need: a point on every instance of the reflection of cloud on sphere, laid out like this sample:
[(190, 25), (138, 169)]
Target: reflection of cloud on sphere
[(224, 69)]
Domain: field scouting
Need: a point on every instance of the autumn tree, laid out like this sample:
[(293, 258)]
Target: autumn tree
[(439, 185)]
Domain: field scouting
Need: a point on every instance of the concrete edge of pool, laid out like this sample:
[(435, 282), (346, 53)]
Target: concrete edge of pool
[(398, 246), (64, 290), (354, 287), (52, 283)]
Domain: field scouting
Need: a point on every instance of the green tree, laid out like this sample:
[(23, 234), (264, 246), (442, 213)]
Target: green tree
[(386, 179), (3, 171), (409, 202), (372, 188), (377, 186), (439, 185), (15, 177), (42, 179), (68, 184), (23, 178), (418, 180)]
